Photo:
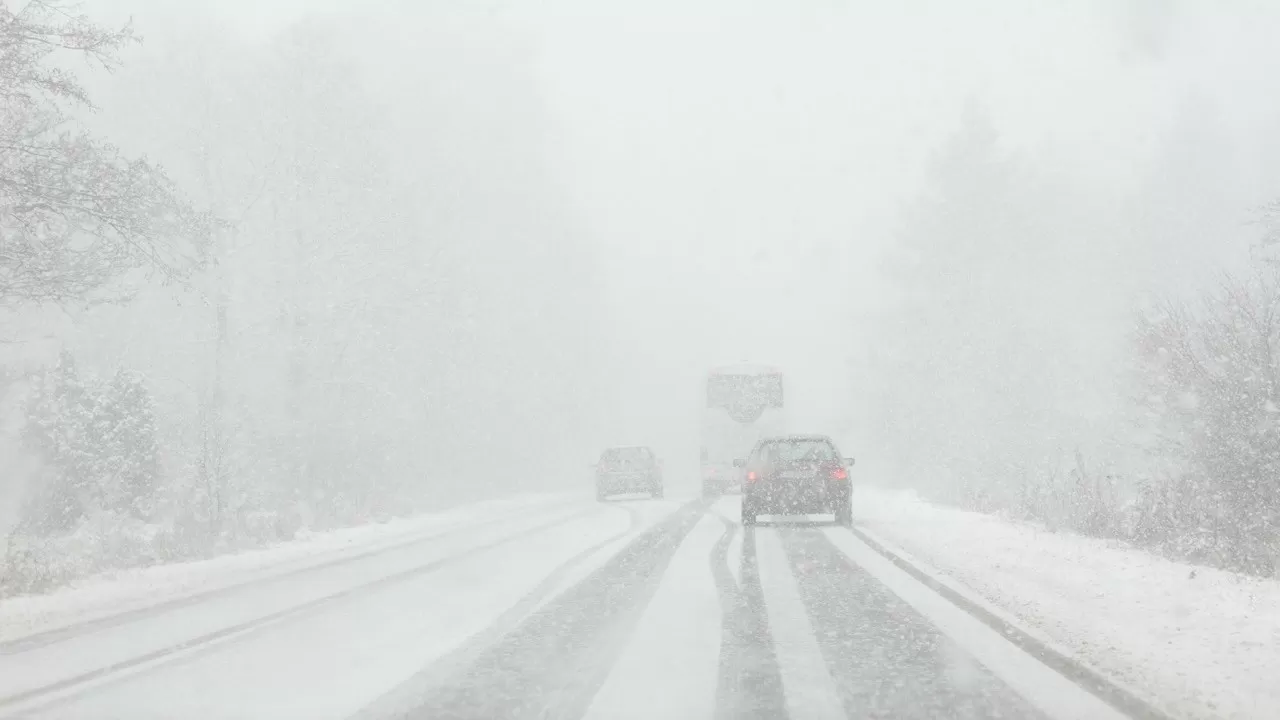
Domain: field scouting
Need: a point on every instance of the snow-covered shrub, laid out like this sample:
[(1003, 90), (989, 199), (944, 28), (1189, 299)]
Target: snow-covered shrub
[(1075, 498), (92, 504), (104, 540), (1212, 392), (1174, 516), (97, 441)]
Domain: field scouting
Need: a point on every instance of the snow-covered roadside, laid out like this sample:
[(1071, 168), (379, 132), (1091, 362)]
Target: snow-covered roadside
[(1205, 643), (109, 594)]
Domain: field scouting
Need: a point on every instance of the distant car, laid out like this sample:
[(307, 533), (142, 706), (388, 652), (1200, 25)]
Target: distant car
[(622, 470), (796, 475)]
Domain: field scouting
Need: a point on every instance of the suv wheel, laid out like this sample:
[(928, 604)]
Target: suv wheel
[(844, 514)]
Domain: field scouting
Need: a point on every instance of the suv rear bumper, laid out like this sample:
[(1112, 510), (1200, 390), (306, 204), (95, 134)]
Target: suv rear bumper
[(773, 500), (619, 484)]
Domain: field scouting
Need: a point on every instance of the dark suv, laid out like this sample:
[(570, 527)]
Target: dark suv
[(628, 470), (796, 475)]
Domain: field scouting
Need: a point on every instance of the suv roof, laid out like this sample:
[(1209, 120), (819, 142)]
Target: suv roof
[(745, 369), (784, 438)]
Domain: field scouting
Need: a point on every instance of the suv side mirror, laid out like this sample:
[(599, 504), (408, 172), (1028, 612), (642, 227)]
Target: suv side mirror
[(848, 461), (739, 462)]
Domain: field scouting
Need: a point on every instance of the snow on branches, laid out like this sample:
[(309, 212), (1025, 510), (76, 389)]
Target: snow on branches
[(1212, 392), (97, 440), (75, 215)]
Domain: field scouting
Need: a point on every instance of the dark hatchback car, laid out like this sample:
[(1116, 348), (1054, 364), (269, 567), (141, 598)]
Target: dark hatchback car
[(796, 475), (623, 470)]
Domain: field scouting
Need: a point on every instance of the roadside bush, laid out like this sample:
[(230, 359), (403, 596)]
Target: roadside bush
[(1211, 381), (91, 506), (102, 541), (1076, 499)]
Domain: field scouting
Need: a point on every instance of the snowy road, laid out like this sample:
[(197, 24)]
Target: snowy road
[(634, 609)]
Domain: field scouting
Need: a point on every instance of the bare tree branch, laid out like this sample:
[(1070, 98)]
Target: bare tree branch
[(75, 215)]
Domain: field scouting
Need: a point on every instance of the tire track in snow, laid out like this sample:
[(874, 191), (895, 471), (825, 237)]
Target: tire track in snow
[(887, 659), (750, 683), (554, 662), (415, 691)]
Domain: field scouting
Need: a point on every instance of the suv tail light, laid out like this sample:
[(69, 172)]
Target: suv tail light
[(752, 476), (839, 473)]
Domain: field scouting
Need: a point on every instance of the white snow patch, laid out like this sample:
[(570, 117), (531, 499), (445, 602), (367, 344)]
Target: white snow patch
[(650, 512), (332, 661), (809, 687), (730, 508), (670, 668), (734, 557)]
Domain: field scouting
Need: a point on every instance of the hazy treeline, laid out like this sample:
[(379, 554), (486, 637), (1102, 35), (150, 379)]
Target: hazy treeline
[(1032, 365), (260, 274), (371, 312)]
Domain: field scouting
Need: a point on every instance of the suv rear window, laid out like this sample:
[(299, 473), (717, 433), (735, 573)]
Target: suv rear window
[(626, 457), (788, 451)]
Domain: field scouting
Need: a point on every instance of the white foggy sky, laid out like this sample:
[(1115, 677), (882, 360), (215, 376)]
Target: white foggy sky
[(740, 167), (745, 167)]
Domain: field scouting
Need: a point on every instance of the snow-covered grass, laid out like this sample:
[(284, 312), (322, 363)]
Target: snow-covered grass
[(1203, 643), (112, 593)]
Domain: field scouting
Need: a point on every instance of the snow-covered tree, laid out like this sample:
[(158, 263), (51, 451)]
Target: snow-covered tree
[(60, 410), (988, 368), (75, 214), (124, 438), (1211, 375), (958, 349), (97, 441)]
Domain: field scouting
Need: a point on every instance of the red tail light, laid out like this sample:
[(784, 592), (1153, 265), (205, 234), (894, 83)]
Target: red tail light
[(839, 473), (752, 476)]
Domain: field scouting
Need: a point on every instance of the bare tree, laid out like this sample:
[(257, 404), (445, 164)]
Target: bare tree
[(1211, 381)]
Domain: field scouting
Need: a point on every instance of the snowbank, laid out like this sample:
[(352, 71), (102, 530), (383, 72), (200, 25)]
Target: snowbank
[(109, 594), (1205, 643)]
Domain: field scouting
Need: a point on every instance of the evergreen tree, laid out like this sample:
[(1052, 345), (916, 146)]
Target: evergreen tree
[(126, 451), (98, 444), (990, 354), (58, 415)]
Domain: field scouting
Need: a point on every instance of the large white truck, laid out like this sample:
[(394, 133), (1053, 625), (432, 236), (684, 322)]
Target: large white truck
[(743, 404)]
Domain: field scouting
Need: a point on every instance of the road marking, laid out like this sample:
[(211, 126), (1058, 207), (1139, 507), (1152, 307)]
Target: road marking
[(670, 666), (1053, 694), (810, 690)]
